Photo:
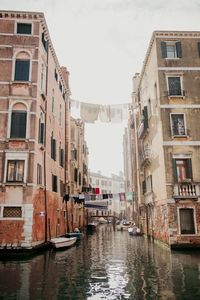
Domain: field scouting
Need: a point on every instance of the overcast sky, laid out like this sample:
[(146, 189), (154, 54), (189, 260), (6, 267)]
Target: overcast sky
[(103, 44)]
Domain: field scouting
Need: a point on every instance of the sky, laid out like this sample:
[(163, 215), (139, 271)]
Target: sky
[(103, 43)]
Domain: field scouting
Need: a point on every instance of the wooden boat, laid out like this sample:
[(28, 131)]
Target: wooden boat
[(78, 235), (93, 225), (63, 242)]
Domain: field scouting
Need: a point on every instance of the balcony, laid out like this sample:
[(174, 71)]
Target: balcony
[(146, 156), (186, 190), (143, 127)]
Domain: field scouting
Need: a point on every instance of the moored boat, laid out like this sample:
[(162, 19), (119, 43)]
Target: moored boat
[(63, 242), (78, 235), (92, 225)]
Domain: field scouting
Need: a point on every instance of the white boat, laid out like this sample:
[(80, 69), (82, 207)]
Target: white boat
[(93, 225), (63, 242), (102, 221)]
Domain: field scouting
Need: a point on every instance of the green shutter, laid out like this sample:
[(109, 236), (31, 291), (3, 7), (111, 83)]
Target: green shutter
[(22, 70), (52, 155), (75, 175), (189, 161), (164, 49), (198, 44), (54, 149), (175, 170), (145, 114), (18, 125), (178, 49), (41, 133)]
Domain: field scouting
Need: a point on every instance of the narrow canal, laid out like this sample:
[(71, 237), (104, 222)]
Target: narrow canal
[(107, 264)]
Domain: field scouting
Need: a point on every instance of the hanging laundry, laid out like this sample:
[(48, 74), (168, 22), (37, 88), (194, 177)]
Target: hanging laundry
[(87, 197), (97, 190), (122, 197), (129, 196), (66, 197), (89, 112), (99, 197), (116, 113), (110, 196), (104, 113), (125, 111), (105, 196), (81, 196), (93, 197)]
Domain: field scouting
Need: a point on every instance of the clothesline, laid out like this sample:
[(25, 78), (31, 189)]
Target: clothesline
[(79, 198), (89, 113)]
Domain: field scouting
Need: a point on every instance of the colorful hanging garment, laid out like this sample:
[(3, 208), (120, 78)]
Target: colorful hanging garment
[(122, 197), (125, 111), (97, 190), (104, 113), (89, 112), (87, 197), (105, 196)]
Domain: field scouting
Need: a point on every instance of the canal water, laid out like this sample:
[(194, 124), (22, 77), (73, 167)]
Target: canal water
[(107, 264)]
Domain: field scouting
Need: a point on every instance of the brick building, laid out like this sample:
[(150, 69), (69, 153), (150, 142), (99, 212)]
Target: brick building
[(34, 120), (168, 139)]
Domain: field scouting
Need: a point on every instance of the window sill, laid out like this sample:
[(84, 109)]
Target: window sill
[(180, 136), (172, 58), (171, 97), (14, 184), (27, 82), (17, 140), (41, 146)]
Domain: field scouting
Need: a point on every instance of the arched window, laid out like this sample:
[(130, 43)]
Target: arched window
[(22, 66), (18, 121)]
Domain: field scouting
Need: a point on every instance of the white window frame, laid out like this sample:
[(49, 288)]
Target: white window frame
[(195, 222), (181, 82), (23, 22), (171, 123), (171, 43), (10, 118), (16, 156), (14, 61), (11, 205)]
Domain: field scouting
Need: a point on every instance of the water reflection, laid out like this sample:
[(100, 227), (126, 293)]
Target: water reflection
[(105, 265)]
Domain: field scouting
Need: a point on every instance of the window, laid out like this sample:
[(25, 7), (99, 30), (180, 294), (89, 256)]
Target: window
[(182, 169), (22, 69), (174, 86), (187, 221), (171, 49), (53, 148), (60, 86), (54, 183), (39, 174), (12, 212), (41, 132), (79, 178), (61, 156), (75, 175), (18, 124), (15, 171), (45, 42), (56, 75), (178, 124), (24, 28), (149, 184)]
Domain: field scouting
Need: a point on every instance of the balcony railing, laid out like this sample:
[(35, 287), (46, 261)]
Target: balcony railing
[(146, 156), (186, 190)]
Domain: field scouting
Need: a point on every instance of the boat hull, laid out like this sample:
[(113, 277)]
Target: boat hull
[(63, 242)]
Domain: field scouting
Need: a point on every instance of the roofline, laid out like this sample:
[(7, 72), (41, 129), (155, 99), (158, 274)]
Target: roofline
[(165, 33)]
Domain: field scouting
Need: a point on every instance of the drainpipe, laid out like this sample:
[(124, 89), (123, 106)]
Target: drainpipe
[(45, 138)]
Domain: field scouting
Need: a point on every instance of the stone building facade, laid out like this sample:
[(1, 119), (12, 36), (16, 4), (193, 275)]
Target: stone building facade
[(34, 111), (168, 99)]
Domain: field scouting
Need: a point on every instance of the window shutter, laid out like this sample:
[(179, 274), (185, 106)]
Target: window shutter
[(175, 170), (164, 49), (52, 147), (22, 70), (41, 140), (198, 44), (178, 49), (144, 187), (18, 125), (145, 113), (189, 161), (75, 175), (23, 28), (62, 157)]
